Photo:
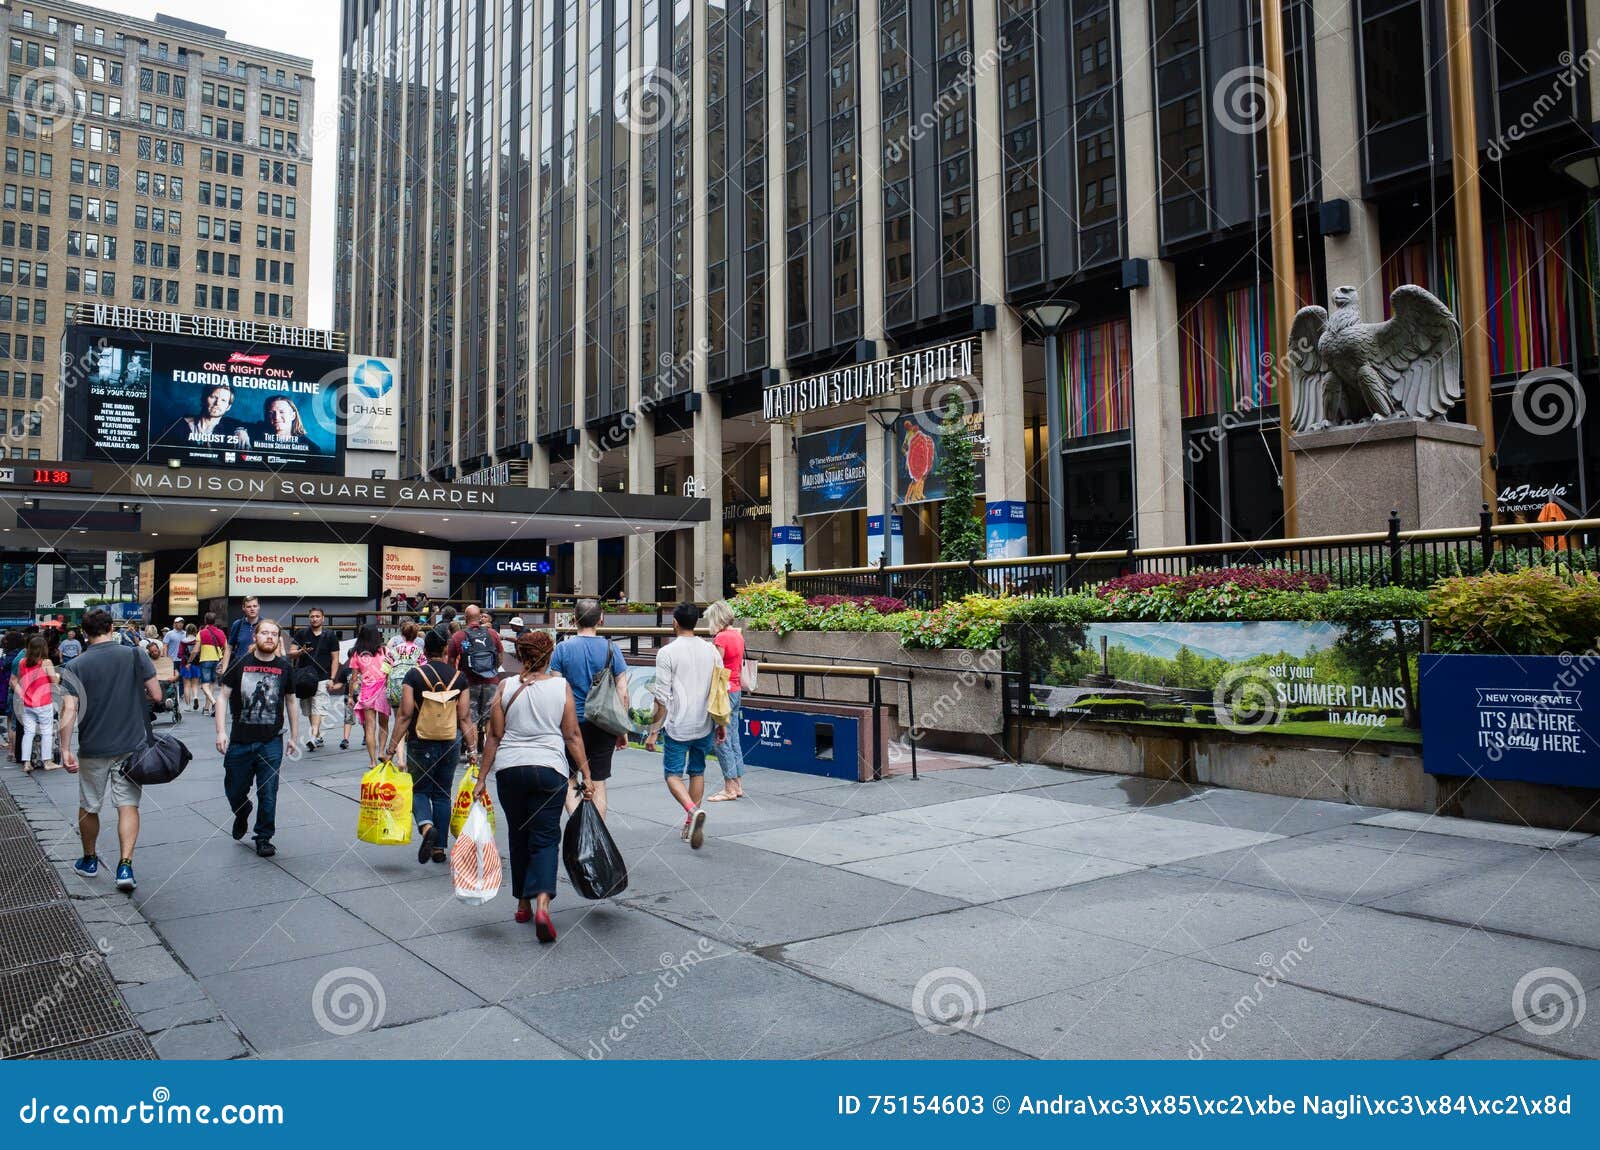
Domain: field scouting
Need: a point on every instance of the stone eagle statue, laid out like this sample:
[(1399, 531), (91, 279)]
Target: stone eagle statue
[(1344, 371)]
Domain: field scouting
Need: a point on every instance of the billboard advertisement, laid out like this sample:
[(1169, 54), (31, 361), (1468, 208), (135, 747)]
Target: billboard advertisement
[(919, 442), (410, 570), (297, 570), (214, 404), (374, 399), (182, 596), (147, 583), (211, 569), (833, 470)]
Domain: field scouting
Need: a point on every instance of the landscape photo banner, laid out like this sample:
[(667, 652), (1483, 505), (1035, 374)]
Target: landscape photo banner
[(1290, 677)]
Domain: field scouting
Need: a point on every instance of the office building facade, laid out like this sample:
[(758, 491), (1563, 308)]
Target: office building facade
[(754, 248)]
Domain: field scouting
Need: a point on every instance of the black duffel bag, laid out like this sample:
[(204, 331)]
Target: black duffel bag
[(160, 760), (594, 864)]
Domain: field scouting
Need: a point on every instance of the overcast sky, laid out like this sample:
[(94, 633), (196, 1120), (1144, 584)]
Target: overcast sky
[(307, 28)]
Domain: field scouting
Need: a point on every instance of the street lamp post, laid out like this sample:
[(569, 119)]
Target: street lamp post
[(1051, 317), (884, 417)]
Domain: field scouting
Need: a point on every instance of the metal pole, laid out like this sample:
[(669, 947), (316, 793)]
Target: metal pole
[(1054, 411), (1282, 211), (1472, 295)]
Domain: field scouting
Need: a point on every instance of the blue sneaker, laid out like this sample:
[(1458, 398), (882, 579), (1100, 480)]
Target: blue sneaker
[(88, 866), (125, 879)]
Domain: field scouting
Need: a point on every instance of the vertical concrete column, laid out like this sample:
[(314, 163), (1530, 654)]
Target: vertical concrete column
[(539, 460), (707, 455), (1153, 310), (1356, 258), (784, 478), (1006, 471), (586, 455), (639, 575), (872, 259)]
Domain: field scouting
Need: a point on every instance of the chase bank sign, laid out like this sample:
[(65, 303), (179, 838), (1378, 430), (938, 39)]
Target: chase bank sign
[(374, 404)]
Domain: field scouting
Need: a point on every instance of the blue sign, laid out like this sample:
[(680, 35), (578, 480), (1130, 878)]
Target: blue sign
[(1530, 718), (490, 566), (809, 744), (1006, 528), (788, 547), (373, 378), (833, 470), (897, 538)]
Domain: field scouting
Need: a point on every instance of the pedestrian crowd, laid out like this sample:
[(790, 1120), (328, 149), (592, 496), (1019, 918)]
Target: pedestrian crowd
[(543, 721)]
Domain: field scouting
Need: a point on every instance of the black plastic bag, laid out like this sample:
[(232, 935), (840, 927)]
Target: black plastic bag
[(594, 864)]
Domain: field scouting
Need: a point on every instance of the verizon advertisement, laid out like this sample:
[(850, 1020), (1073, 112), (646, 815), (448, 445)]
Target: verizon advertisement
[(217, 405), (414, 570), (298, 570), (211, 567)]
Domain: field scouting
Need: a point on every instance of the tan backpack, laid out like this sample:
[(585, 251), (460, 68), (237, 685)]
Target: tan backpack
[(436, 710)]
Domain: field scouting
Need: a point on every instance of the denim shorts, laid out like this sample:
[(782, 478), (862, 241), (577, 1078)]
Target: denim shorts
[(206, 672), (676, 754)]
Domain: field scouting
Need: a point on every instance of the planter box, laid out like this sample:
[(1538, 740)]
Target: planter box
[(953, 691)]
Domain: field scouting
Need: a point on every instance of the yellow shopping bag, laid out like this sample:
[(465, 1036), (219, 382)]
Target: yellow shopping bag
[(463, 802), (385, 817)]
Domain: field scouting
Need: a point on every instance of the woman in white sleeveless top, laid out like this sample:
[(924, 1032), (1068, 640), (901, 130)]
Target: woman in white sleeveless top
[(533, 730)]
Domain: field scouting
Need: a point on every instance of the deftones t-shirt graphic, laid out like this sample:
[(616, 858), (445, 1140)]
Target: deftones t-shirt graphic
[(256, 697)]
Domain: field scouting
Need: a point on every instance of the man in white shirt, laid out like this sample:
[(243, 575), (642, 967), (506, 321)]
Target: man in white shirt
[(682, 687)]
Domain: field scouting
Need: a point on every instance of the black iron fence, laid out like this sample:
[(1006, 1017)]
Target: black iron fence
[(1381, 558)]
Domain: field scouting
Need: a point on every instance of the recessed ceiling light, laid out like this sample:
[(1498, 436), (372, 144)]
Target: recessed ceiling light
[(211, 509), (372, 517), (294, 513), (153, 534), (446, 519)]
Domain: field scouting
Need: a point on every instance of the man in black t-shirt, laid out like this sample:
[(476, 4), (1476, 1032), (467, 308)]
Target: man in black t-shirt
[(255, 690), (316, 647), (432, 760)]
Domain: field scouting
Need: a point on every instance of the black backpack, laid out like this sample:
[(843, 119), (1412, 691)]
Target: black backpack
[(482, 651)]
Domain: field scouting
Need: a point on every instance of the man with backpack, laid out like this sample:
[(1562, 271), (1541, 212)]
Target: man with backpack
[(585, 661), (315, 650), (434, 715), (476, 652), (241, 632), (107, 706)]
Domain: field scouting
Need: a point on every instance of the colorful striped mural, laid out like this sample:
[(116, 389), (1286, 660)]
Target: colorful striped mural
[(1223, 341), (1526, 278), (1097, 379)]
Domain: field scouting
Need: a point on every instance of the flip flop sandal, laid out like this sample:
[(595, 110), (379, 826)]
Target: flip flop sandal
[(722, 797)]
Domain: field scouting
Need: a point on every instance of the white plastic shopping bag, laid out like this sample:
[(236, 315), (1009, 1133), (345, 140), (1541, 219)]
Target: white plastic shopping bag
[(475, 860)]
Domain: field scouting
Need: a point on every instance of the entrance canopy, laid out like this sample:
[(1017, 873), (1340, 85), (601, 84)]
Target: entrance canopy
[(145, 507)]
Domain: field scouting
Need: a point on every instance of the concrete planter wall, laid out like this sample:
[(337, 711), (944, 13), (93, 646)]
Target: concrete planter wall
[(955, 693)]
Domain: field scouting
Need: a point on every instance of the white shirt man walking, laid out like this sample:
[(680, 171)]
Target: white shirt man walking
[(682, 686)]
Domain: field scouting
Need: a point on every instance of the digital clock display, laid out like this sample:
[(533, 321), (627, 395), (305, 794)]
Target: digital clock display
[(52, 477)]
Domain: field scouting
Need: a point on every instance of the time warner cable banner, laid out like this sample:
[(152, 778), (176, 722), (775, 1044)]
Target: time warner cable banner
[(801, 1104)]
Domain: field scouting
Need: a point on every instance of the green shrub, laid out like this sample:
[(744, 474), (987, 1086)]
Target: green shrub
[(1530, 612)]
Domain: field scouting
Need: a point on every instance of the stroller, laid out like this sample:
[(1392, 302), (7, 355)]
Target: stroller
[(171, 701)]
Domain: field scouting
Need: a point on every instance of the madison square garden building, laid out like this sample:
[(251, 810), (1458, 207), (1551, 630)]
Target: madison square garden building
[(751, 248)]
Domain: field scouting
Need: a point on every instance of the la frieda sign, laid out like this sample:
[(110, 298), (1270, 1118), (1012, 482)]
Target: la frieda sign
[(863, 381)]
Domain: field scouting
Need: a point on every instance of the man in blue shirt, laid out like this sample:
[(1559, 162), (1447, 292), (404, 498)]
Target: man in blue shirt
[(578, 660)]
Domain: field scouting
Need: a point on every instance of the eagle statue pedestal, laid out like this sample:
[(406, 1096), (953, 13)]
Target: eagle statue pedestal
[(1350, 477)]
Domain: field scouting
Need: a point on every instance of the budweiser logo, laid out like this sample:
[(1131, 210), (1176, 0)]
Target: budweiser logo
[(253, 360)]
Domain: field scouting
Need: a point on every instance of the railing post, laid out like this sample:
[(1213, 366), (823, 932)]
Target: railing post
[(1486, 536), (1072, 571), (883, 573), (1133, 564), (1394, 548)]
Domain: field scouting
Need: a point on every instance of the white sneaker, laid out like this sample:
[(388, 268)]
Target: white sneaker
[(697, 830)]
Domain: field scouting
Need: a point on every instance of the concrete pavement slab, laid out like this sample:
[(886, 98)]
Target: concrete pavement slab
[(989, 869), (1168, 910), (1315, 867), (896, 794), (921, 1045), (1122, 791), (205, 1041), (1543, 898), (1442, 971), (1184, 1008), (1145, 839), (490, 1032), (1008, 958), (1274, 814), (1497, 1049), (1007, 777), (311, 999), (756, 812), (1521, 834), (738, 1007), (264, 935), (851, 840), (1001, 813), (1479, 852), (353, 867), (184, 895)]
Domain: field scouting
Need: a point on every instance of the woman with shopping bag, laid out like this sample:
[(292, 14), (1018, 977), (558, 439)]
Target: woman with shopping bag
[(533, 732)]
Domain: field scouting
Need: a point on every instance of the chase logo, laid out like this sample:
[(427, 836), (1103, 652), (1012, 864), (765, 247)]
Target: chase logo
[(373, 378)]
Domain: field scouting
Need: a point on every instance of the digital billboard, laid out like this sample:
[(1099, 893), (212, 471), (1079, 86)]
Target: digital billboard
[(210, 404), (297, 570), (833, 470)]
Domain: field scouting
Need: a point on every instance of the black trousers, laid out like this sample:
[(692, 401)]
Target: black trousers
[(531, 799)]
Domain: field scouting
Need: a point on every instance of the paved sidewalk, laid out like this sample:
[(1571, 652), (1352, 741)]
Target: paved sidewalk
[(996, 911)]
